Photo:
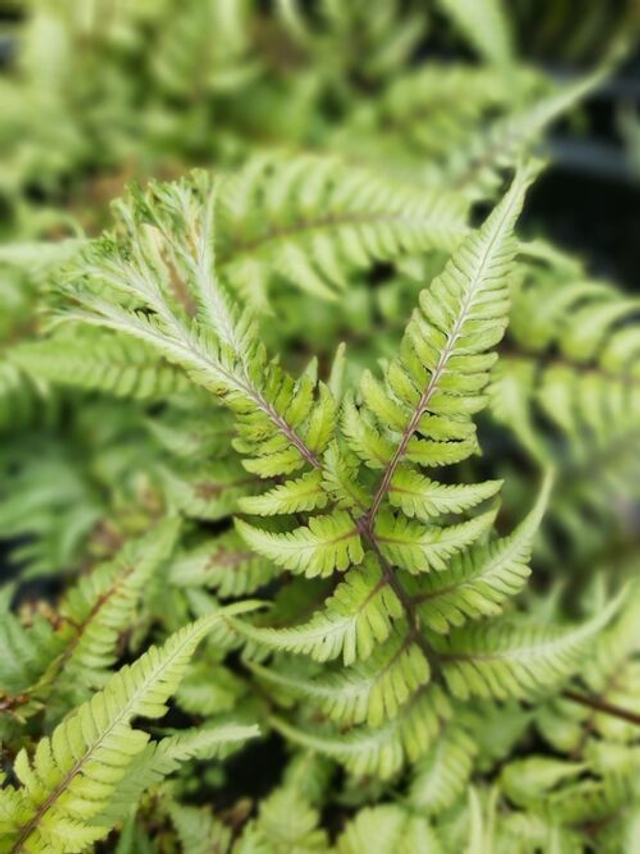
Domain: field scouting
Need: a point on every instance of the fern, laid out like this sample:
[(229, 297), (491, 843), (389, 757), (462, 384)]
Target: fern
[(68, 782), (441, 776), (420, 413), (310, 220), (388, 828), (221, 397), (566, 389), (124, 368), (77, 654), (486, 26)]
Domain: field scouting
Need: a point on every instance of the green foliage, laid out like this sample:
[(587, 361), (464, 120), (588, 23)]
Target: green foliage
[(325, 370), (66, 788)]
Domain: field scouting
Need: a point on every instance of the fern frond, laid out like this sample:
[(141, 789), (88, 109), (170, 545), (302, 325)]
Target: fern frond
[(92, 359), (303, 494), (282, 425), (206, 492), (286, 823), (610, 676), (381, 751), (429, 111), (386, 828), (509, 660), (224, 564), (441, 776), (420, 497), (417, 549), (78, 653), (22, 401), (475, 167), (329, 543), (588, 389), (74, 772), (198, 831), (436, 385), (25, 653), (370, 692), (485, 25), (161, 758), (354, 619), (312, 220), (102, 605), (477, 582)]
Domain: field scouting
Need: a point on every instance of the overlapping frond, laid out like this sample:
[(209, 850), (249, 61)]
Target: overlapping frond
[(371, 692), (92, 359), (357, 616), (312, 220), (576, 363), (75, 655), (478, 582), (387, 828), (383, 750), (343, 481), (567, 389), (286, 822), (161, 758), (443, 773), (26, 652), (474, 168), (72, 774), (508, 659), (223, 564)]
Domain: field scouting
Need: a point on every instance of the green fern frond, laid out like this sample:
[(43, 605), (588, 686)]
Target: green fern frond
[(381, 751), (436, 385), (25, 652), (420, 497), (74, 772), (205, 492), (478, 582), (92, 359), (356, 618), (588, 390), (286, 823), (510, 660), (312, 220), (161, 758), (198, 831), (303, 494), (475, 167), (386, 828), (370, 692), (420, 415), (22, 401), (77, 654), (102, 605), (485, 25), (329, 543), (441, 776), (224, 564), (417, 549), (423, 115)]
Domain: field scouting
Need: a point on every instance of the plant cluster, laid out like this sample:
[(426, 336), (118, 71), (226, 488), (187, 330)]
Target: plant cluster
[(319, 476)]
